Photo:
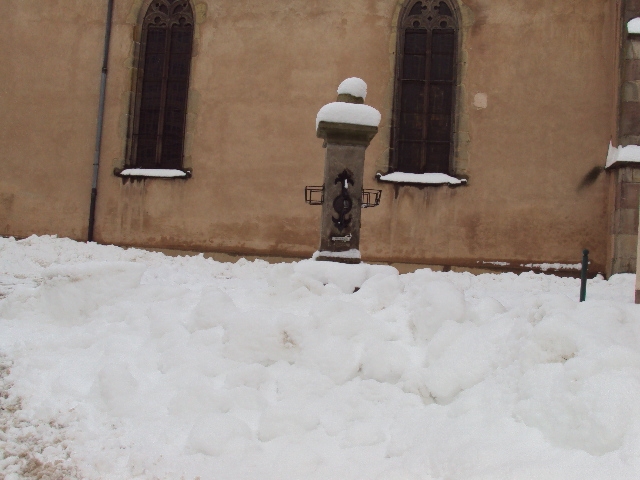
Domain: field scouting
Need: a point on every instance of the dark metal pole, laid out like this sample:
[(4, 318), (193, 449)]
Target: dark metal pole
[(583, 275), (96, 155)]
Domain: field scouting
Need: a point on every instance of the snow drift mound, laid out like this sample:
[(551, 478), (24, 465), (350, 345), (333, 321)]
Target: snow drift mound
[(164, 367)]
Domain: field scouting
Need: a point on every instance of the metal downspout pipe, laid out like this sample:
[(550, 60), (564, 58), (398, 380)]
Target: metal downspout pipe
[(96, 155)]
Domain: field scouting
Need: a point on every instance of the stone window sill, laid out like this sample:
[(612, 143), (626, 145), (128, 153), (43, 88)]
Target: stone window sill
[(167, 174), (421, 179), (622, 164)]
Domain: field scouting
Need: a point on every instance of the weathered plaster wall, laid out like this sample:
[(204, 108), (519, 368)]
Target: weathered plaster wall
[(50, 64), (537, 94), (257, 83), (549, 75)]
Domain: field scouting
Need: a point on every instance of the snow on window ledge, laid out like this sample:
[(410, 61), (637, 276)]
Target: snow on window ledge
[(623, 156), (421, 178), (633, 26), (152, 173)]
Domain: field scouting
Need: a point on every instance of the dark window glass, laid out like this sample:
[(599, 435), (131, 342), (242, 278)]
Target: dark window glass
[(412, 100), (415, 42), (443, 9), (422, 137), (163, 85), (411, 126), (416, 9)]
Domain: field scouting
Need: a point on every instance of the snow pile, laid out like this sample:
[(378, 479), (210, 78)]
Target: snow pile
[(554, 266), (353, 253), (130, 364), (353, 86), (421, 178), (497, 263), (538, 266), (152, 172), (629, 153), (38, 449), (633, 26)]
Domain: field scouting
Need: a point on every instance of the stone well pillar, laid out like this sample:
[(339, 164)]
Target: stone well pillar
[(347, 127)]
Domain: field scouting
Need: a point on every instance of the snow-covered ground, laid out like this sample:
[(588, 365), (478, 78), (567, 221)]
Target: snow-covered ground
[(123, 364)]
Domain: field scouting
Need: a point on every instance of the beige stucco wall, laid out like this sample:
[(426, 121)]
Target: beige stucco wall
[(50, 64), (260, 73)]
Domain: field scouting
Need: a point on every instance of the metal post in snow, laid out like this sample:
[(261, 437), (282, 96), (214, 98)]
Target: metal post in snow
[(583, 275)]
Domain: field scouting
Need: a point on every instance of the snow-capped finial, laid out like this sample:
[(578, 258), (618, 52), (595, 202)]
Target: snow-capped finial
[(353, 86), (349, 106)]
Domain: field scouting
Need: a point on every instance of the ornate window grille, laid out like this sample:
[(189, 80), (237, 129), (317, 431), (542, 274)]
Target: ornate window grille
[(162, 86), (423, 113)]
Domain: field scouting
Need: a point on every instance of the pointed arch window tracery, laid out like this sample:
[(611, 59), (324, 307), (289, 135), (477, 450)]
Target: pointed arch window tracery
[(423, 113), (162, 86)]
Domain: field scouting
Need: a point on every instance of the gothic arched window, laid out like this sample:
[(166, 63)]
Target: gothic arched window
[(423, 112), (162, 85)]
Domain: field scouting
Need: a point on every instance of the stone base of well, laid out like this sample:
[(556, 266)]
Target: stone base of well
[(353, 261)]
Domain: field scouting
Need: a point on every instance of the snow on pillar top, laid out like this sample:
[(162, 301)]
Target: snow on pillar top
[(350, 106), (353, 86)]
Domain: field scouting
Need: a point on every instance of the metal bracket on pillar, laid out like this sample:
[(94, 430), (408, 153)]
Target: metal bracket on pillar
[(314, 195), (371, 197)]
